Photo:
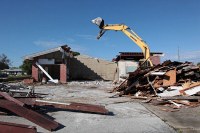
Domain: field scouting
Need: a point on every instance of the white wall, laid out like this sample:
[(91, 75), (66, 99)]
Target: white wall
[(125, 66)]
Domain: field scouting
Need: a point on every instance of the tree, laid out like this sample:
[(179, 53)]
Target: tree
[(4, 62), (27, 67), (75, 53)]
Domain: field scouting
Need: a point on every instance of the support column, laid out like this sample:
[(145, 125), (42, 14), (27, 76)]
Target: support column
[(35, 72), (63, 73)]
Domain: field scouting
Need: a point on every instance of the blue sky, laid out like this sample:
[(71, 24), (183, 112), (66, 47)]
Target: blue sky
[(29, 26)]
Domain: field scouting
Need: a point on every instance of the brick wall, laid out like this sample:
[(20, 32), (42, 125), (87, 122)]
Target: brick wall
[(35, 72), (155, 60), (63, 73)]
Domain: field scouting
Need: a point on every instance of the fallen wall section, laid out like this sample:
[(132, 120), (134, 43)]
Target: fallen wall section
[(85, 67)]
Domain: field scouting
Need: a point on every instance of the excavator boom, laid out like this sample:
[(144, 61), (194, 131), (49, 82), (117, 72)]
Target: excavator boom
[(128, 32)]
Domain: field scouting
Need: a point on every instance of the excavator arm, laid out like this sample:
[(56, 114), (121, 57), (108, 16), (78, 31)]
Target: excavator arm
[(128, 32)]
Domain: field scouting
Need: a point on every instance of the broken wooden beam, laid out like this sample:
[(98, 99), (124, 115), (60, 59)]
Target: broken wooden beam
[(82, 107), (30, 115), (194, 86), (9, 98), (6, 127)]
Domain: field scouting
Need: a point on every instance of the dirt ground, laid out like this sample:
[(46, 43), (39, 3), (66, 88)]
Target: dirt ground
[(128, 116)]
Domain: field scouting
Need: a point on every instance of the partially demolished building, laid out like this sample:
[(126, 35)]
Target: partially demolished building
[(129, 61), (59, 64), (54, 61)]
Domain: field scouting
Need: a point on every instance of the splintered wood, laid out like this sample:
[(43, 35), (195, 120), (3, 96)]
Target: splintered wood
[(169, 79)]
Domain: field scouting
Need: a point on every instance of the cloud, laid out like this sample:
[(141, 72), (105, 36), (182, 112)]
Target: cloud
[(78, 48), (168, 56), (87, 37), (193, 56), (70, 40), (91, 37), (190, 56), (51, 44), (48, 44)]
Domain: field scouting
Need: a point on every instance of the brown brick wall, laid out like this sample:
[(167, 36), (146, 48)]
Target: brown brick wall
[(35, 72), (63, 73), (155, 60)]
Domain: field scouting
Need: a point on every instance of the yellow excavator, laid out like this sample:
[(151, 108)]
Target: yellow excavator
[(127, 31)]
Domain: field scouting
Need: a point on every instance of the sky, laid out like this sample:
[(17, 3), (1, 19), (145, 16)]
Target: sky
[(30, 26)]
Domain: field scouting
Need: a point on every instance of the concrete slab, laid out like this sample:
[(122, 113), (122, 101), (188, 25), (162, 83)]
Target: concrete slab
[(186, 120), (129, 117)]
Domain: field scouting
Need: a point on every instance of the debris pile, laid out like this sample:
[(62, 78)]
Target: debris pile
[(165, 80), (20, 90), (22, 101)]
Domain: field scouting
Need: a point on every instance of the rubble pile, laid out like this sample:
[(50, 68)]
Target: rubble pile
[(19, 90), (168, 79)]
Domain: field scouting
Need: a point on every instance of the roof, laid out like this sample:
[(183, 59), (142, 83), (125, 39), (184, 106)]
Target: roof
[(60, 48), (139, 53), (134, 55)]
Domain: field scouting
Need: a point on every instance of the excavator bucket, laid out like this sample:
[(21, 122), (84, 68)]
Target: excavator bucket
[(98, 21)]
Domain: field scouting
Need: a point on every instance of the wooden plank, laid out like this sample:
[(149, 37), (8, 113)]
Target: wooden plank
[(72, 106), (81, 107), (30, 115), (169, 78), (188, 86), (6, 127), (9, 98)]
